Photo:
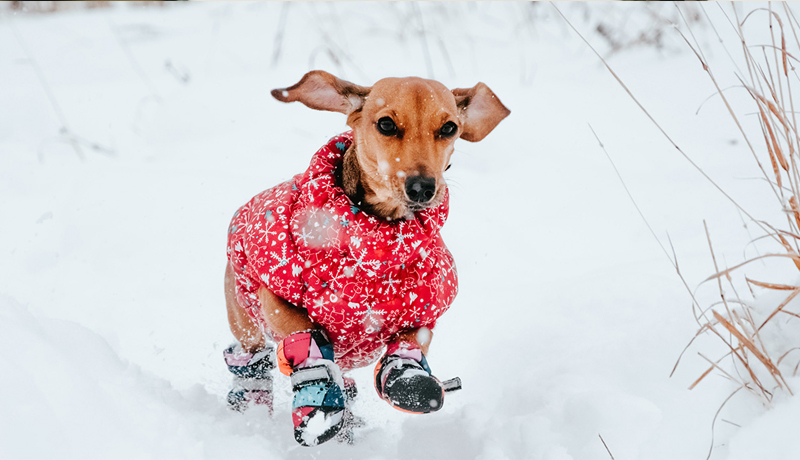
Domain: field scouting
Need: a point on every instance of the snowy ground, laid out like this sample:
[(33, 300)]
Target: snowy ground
[(569, 318)]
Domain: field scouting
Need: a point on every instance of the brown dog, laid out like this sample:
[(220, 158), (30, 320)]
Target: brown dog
[(354, 243), (404, 132)]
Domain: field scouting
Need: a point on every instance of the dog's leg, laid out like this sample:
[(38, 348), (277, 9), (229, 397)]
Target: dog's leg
[(282, 318), (421, 336), (243, 327), (403, 377), (251, 362), (306, 355)]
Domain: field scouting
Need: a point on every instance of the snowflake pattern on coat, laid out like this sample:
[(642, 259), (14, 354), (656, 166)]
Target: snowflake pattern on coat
[(361, 278)]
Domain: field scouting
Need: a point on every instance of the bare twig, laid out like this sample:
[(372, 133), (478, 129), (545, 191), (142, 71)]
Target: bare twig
[(425, 49), (65, 129), (277, 42), (714, 421), (664, 133), (132, 60), (673, 261), (606, 446)]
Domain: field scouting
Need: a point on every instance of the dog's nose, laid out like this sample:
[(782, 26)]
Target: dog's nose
[(420, 189)]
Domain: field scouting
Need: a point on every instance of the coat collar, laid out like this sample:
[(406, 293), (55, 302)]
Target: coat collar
[(337, 223)]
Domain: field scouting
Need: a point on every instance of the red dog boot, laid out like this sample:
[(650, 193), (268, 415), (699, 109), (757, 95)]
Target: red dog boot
[(318, 408), (404, 380), (252, 382)]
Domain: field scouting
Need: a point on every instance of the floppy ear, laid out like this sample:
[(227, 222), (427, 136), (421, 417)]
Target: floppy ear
[(479, 110), (320, 90)]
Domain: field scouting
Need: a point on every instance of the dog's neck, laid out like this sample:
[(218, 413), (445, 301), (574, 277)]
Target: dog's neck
[(349, 177), (356, 186)]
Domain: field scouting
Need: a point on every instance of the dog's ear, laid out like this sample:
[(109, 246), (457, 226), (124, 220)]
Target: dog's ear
[(320, 90), (480, 111)]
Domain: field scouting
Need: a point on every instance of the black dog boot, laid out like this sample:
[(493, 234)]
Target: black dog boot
[(404, 380), (252, 383)]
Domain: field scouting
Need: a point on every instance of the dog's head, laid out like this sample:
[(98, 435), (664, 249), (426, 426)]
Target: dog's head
[(404, 130)]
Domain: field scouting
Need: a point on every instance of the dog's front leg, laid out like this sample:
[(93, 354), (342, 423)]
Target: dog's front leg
[(403, 377), (421, 336)]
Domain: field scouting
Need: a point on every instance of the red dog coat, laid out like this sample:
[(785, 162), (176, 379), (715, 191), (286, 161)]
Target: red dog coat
[(361, 278)]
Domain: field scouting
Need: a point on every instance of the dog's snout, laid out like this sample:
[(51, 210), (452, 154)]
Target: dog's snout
[(420, 189)]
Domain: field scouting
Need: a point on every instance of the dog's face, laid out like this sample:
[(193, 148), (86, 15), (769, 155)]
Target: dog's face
[(405, 133), (404, 130)]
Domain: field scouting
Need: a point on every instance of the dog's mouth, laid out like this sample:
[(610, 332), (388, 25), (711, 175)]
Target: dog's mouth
[(414, 206)]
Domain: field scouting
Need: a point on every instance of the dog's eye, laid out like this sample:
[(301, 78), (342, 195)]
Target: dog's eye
[(448, 129), (387, 127), (448, 166)]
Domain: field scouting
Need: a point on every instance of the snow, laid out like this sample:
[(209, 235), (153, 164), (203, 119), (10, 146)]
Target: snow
[(320, 423), (770, 430), (569, 317)]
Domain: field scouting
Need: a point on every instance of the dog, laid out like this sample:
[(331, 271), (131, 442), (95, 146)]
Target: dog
[(345, 260)]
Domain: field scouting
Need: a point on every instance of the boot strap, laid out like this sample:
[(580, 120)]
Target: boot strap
[(310, 375), (453, 384), (448, 386)]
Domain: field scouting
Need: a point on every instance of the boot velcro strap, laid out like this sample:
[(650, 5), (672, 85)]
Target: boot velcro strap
[(267, 355), (403, 363), (253, 384), (396, 362), (453, 384), (310, 375)]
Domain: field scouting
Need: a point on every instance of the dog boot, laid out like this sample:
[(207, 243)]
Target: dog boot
[(318, 408), (404, 380), (350, 389), (252, 382)]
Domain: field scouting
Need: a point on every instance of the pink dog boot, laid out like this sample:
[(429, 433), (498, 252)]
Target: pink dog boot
[(318, 408), (252, 382), (404, 380)]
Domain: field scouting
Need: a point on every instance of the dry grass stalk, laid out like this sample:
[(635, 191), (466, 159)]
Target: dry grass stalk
[(777, 287), (735, 325), (606, 446), (769, 92), (780, 307), (795, 211), (768, 83), (749, 345)]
